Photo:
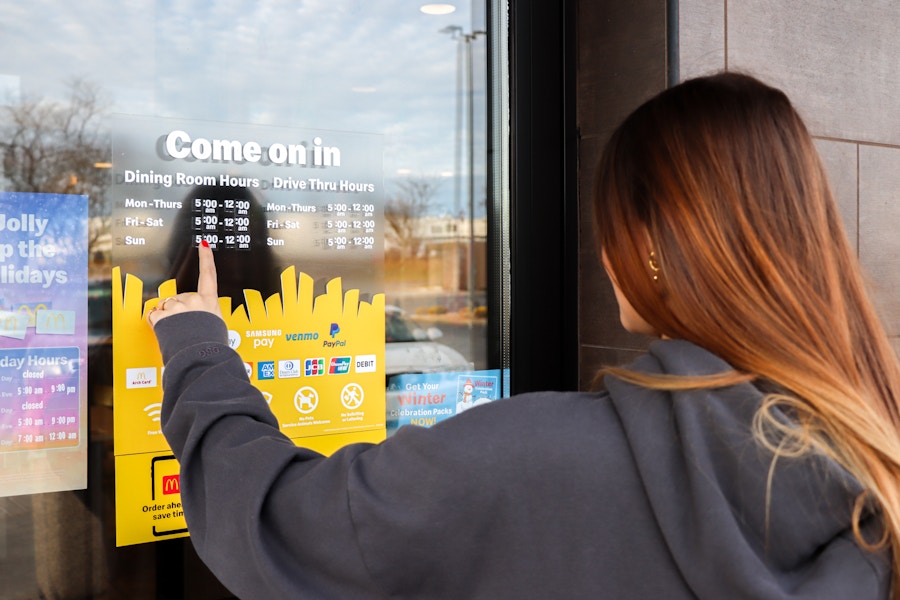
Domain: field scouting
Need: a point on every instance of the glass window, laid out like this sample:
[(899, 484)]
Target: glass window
[(412, 87)]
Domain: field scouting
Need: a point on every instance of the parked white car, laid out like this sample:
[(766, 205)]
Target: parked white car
[(411, 349)]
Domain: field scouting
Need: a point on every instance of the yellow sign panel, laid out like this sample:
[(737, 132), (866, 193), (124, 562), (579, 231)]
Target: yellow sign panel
[(150, 485), (319, 363)]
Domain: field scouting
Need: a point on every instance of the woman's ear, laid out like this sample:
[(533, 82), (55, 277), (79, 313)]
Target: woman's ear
[(648, 253), (628, 316)]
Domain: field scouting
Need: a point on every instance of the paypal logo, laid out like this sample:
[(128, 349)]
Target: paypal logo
[(335, 329)]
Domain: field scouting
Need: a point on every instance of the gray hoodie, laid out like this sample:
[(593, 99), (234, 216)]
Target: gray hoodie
[(626, 494)]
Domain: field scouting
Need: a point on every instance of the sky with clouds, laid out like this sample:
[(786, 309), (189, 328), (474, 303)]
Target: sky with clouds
[(374, 66)]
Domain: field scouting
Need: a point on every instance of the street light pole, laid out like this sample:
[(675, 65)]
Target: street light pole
[(465, 42), (471, 139)]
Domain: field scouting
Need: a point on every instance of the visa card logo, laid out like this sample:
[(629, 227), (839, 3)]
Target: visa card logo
[(313, 367), (266, 369), (339, 365)]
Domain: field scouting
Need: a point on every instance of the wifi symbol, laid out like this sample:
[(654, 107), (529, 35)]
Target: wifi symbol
[(153, 411)]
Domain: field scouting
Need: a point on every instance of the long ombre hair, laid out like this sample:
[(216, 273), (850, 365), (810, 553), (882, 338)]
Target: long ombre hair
[(718, 177)]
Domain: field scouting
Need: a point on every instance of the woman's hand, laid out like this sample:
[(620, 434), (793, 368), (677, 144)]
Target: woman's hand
[(206, 297)]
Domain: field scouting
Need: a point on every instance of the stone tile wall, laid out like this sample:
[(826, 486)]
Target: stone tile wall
[(837, 61), (621, 63)]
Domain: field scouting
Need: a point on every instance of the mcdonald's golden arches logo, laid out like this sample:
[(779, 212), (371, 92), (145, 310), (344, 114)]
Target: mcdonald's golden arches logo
[(60, 322), (31, 312), (171, 484)]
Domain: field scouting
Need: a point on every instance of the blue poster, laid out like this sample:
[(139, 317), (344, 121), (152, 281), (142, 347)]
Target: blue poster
[(43, 342), (427, 398)]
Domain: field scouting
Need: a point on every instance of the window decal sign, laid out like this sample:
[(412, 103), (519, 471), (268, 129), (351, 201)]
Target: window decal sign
[(425, 399), (43, 343), (295, 220)]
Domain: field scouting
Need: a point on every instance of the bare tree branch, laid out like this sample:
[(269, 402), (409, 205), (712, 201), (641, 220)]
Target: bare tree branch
[(52, 147), (403, 211)]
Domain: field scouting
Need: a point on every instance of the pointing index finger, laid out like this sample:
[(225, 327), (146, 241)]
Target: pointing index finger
[(207, 283)]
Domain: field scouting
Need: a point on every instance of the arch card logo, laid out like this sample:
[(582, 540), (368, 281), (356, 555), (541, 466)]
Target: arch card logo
[(143, 377)]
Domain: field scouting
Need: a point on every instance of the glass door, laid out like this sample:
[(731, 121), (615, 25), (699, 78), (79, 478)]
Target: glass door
[(340, 138)]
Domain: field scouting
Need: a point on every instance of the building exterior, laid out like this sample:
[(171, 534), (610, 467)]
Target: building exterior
[(833, 61), (489, 119)]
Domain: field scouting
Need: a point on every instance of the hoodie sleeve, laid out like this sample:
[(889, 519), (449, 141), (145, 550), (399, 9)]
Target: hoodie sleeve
[(450, 511), (236, 467), (520, 498)]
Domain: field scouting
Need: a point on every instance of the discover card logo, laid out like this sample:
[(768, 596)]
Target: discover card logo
[(142, 377)]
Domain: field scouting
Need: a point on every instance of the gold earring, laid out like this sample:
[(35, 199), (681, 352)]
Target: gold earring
[(654, 266)]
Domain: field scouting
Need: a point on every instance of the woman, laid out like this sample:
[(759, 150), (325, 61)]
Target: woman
[(751, 453), (718, 187)]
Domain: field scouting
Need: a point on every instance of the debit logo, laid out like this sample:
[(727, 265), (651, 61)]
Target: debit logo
[(365, 363)]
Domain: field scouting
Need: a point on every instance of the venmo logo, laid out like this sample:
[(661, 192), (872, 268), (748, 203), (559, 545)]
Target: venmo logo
[(301, 337)]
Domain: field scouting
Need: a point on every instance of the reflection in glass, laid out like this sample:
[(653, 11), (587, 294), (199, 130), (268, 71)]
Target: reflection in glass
[(346, 65)]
